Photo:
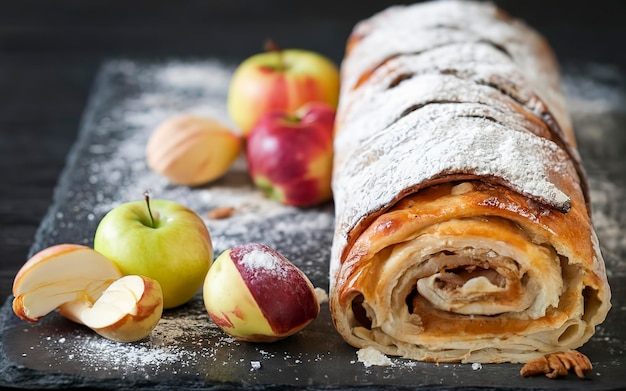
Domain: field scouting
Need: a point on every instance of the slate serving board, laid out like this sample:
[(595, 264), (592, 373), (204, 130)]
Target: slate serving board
[(107, 167)]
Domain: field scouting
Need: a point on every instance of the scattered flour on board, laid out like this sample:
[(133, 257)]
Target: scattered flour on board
[(259, 260), (183, 341), (322, 295), (371, 356)]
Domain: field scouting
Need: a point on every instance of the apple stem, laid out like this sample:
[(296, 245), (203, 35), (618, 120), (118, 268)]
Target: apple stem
[(272, 46), (146, 196), (292, 119)]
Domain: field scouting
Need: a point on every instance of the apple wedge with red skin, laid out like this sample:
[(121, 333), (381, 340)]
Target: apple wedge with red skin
[(89, 289), (290, 157), (253, 293)]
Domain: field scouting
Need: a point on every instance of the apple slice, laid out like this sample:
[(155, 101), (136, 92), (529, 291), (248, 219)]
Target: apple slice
[(76, 277), (127, 311), (60, 274)]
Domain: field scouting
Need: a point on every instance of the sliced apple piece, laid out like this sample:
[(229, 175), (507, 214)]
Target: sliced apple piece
[(60, 274), (87, 288), (127, 311)]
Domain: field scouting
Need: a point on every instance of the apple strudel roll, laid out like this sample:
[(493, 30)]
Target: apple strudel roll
[(463, 227)]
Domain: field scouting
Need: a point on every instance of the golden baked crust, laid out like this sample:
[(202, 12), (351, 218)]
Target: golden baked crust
[(463, 231)]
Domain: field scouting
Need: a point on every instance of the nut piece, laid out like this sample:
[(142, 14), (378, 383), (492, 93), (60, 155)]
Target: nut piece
[(558, 364), (221, 212)]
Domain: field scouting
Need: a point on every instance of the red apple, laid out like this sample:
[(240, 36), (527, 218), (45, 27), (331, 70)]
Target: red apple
[(255, 294), (280, 80), (290, 156)]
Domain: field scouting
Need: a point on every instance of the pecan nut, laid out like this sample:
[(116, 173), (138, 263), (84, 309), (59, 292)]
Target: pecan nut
[(558, 364)]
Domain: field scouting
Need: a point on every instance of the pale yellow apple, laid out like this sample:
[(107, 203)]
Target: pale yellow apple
[(192, 150)]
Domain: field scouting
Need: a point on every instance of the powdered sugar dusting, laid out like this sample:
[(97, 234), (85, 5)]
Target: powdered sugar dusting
[(527, 163), (440, 23), (370, 356), (104, 354), (183, 341), (258, 260)]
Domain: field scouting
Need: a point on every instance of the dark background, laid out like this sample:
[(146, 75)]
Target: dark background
[(50, 52)]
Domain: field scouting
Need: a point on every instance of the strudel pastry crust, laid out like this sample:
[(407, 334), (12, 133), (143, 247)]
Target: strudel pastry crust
[(463, 228)]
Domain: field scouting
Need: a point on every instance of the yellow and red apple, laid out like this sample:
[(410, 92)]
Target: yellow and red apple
[(290, 157), (280, 80), (89, 289), (160, 239), (253, 293)]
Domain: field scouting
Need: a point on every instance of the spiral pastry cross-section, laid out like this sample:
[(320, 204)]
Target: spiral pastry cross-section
[(463, 230)]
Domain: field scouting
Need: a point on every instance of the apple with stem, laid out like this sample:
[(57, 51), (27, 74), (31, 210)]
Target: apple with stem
[(89, 289), (290, 157), (280, 79), (255, 294), (160, 239)]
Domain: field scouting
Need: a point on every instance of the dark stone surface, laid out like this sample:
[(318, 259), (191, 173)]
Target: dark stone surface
[(50, 54), (58, 355)]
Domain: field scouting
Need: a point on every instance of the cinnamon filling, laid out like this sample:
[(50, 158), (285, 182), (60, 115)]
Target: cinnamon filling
[(456, 278)]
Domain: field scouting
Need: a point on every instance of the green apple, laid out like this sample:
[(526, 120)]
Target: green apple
[(280, 79), (160, 239)]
